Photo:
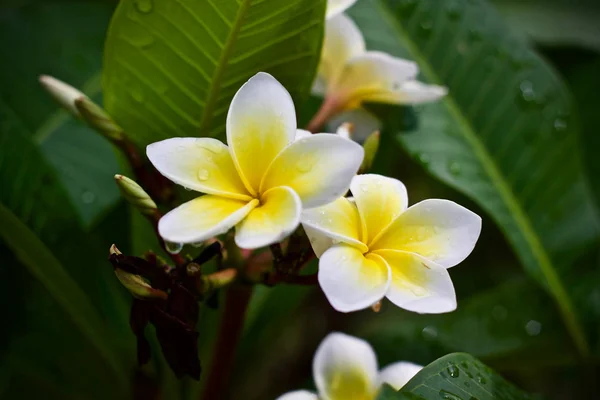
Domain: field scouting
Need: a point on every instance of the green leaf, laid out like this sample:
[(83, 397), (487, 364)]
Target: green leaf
[(457, 376), (42, 264), (63, 39), (173, 66), (554, 22), (505, 135)]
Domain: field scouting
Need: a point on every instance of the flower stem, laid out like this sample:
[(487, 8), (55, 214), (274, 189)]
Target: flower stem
[(330, 107), (237, 299)]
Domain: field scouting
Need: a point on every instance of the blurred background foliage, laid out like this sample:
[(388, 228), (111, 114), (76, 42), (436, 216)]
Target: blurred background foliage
[(516, 141)]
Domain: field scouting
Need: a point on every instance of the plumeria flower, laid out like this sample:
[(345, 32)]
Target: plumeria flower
[(373, 246), (349, 75), (260, 182), (335, 7), (345, 368)]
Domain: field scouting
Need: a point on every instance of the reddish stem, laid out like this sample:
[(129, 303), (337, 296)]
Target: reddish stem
[(330, 107), (230, 330)]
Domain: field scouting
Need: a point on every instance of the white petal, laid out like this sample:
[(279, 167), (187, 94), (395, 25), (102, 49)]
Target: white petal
[(398, 374), (298, 395), (418, 284), (380, 200), (439, 230), (343, 41), (345, 367), (351, 281), (202, 164), (372, 75), (415, 92), (319, 168), (333, 223), (335, 7), (203, 218), (302, 133), (277, 217), (261, 122)]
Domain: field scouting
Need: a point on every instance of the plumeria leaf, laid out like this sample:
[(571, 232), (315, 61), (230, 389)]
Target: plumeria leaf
[(64, 40), (456, 376), (172, 67), (505, 135)]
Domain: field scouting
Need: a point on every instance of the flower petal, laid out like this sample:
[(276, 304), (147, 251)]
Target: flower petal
[(301, 134), (343, 40), (335, 7), (366, 77), (398, 374), (201, 164), (380, 200), (439, 230), (418, 284), (345, 368), (298, 395), (319, 168), (260, 123), (275, 218), (335, 222), (351, 281), (203, 218), (410, 92)]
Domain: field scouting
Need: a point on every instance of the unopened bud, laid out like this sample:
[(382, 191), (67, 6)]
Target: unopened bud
[(346, 130), (217, 280), (98, 119), (113, 250), (64, 94), (138, 287), (371, 146), (135, 195)]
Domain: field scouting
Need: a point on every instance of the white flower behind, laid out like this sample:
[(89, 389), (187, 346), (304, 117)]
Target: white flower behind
[(375, 246), (260, 182), (345, 368)]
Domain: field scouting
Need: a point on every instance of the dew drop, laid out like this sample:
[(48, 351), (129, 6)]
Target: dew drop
[(454, 168), (173, 248), (453, 370), (449, 396), (144, 6), (533, 328), (527, 92), (88, 197), (560, 124), (304, 165), (481, 379), (424, 159), (203, 174)]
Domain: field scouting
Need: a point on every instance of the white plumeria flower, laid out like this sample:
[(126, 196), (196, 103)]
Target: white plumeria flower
[(373, 246), (345, 368), (335, 7), (263, 180), (349, 75)]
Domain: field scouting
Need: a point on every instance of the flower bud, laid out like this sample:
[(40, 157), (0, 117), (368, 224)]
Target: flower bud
[(138, 287), (98, 119), (371, 145), (135, 195), (64, 94)]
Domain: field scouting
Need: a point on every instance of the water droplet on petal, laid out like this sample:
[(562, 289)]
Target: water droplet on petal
[(304, 165), (173, 248), (203, 174)]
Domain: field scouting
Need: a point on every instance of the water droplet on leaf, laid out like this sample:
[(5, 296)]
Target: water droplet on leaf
[(173, 248), (533, 328), (453, 370), (454, 168), (144, 6), (449, 396)]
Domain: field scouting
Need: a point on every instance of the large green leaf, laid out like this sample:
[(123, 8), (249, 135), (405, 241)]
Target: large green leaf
[(505, 135), (457, 376), (172, 66), (555, 22), (63, 39)]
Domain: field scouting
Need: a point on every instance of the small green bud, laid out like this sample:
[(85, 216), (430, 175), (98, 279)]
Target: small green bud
[(217, 280), (135, 195), (138, 287), (64, 94), (371, 145), (98, 119)]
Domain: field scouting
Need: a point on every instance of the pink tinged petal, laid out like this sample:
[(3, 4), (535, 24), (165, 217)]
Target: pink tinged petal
[(273, 220), (298, 395), (261, 122), (201, 164), (351, 281), (319, 168), (398, 374), (380, 201), (439, 230), (336, 222), (418, 284), (203, 218), (345, 368)]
